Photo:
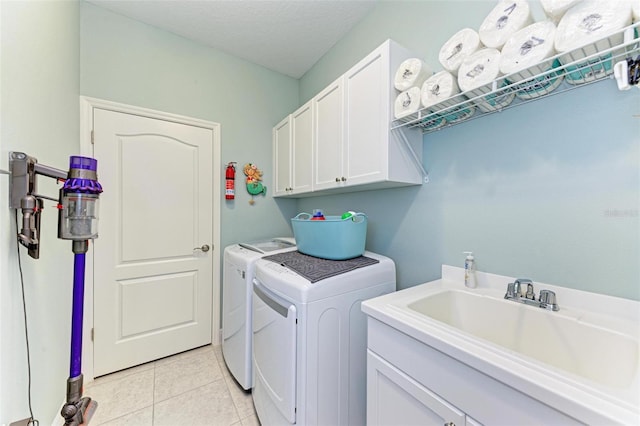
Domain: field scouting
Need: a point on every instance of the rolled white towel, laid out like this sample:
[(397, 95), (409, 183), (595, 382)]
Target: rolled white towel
[(586, 29), (411, 72), (523, 57), (555, 9), (479, 69), (407, 102), (591, 20), (459, 46), (476, 76), (527, 50), (438, 87), (439, 95), (507, 17)]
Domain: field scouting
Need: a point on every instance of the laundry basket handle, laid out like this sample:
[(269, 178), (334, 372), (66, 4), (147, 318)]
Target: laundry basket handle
[(358, 217), (303, 214)]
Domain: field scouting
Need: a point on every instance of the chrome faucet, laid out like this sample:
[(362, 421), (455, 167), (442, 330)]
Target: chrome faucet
[(521, 290)]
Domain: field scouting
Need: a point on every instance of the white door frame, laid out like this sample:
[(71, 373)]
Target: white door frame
[(87, 105)]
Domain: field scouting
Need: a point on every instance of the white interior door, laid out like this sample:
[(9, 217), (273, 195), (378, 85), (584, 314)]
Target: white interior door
[(153, 274)]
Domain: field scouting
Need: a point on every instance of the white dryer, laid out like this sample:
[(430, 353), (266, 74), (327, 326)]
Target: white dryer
[(238, 273), (309, 343)]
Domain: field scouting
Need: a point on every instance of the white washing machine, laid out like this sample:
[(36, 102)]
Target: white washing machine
[(310, 343), (237, 278)]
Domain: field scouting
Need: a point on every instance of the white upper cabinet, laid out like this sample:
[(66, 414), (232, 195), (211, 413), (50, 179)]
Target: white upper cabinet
[(329, 136), (367, 104), (282, 157), (293, 152), (302, 143), (354, 148)]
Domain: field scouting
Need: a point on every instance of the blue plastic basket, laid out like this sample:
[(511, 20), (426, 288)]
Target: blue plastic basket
[(333, 238)]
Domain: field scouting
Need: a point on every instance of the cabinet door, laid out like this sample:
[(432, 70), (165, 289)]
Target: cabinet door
[(328, 110), (282, 157), (302, 146), (393, 398), (367, 121)]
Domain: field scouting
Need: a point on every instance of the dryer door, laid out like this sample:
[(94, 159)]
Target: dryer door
[(236, 331), (274, 356)]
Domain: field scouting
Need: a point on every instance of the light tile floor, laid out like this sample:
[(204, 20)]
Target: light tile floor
[(191, 388)]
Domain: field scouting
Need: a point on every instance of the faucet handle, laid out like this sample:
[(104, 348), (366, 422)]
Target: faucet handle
[(511, 293), (530, 293), (548, 300)]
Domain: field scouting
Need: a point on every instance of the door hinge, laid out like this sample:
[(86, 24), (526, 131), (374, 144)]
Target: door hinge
[(93, 139), (92, 334)]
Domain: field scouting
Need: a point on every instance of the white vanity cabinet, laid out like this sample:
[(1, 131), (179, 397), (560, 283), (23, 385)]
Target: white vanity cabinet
[(411, 383), (292, 152), (354, 147)]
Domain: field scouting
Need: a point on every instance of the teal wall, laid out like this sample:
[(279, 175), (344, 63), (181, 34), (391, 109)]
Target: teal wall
[(39, 86), (548, 190), (126, 61)]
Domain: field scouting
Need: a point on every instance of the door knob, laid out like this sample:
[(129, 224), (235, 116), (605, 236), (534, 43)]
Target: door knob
[(205, 248)]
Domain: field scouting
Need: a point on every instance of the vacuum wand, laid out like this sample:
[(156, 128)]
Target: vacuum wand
[(78, 221), (78, 409)]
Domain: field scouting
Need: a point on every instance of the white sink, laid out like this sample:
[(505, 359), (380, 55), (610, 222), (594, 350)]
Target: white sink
[(583, 360), (596, 353)]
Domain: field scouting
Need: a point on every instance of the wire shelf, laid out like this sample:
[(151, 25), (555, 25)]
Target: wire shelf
[(570, 70)]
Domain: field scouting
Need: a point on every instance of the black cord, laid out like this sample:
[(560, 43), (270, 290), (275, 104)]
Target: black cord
[(32, 421)]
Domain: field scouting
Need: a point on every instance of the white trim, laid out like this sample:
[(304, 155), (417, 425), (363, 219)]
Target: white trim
[(87, 105), (146, 112)]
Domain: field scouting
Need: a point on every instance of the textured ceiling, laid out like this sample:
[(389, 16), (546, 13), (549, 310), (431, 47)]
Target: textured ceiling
[(283, 35)]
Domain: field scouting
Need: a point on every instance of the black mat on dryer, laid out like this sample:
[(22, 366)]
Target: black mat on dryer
[(315, 269)]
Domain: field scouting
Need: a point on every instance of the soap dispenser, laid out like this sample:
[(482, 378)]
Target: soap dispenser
[(469, 270)]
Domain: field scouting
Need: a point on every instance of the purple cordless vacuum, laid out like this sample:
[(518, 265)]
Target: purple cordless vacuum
[(77, 221)]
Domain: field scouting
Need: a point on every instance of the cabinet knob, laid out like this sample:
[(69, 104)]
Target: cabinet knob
[(449, 424), (337, 179), (344, 179)]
